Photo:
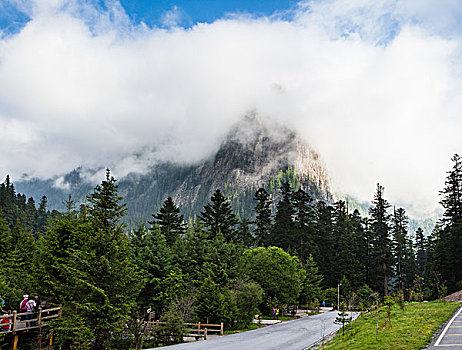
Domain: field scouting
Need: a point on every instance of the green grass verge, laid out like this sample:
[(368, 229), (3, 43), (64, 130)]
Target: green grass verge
[(411, 328), (252, 326), (281, 318)]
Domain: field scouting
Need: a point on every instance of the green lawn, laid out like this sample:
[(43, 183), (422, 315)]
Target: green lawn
[(410, 329), (252, 326)]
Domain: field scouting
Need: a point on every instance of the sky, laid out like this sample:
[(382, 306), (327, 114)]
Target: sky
[(374, 86)]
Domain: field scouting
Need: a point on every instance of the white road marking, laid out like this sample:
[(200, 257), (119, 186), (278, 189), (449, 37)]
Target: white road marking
[(446, 329)]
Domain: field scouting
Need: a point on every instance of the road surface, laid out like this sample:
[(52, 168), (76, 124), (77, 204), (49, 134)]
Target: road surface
[(450, 336), (291, 335)]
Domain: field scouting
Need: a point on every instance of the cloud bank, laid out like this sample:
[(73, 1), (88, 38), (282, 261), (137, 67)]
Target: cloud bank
[(375, 86)]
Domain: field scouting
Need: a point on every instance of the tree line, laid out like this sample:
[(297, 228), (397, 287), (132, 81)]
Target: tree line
[(218, 268)]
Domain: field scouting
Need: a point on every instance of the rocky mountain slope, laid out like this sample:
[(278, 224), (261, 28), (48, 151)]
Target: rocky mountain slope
[(254, 154)]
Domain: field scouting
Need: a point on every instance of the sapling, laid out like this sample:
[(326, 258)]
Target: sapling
[(343, 317)]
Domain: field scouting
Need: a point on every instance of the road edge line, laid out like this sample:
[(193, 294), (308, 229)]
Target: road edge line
[(447, 327)]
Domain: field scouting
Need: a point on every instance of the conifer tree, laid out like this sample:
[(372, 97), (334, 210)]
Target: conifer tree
[(381, 254), (218, 217), (449, 247), (421, 244), (104, 280), (325, 254), (263, 219), (283, 232), (346, 247), (403, 251), (244, 235), (42, 215), (303, 240), (170, 221)]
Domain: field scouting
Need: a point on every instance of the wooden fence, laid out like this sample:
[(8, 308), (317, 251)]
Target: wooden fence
[(198, 330), (24, 321)]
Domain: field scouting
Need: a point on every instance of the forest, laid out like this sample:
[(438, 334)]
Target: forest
[(218, 268)]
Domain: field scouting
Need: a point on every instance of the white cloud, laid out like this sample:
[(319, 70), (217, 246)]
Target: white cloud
[(375, 86)]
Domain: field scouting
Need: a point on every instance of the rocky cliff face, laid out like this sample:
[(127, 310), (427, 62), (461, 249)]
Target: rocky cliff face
[(253, 155)]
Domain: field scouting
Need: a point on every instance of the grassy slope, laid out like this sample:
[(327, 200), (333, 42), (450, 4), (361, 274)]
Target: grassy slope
[(412, 328)]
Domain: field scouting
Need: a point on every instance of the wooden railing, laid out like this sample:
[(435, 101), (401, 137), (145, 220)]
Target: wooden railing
[(16, 322), (193, 329)]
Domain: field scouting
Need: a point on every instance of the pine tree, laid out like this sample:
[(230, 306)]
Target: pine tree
[(311, 285), (170, 221), (421, 243), (346, 247), (155, 260), (42, 215), (450, 245), (106, 209), (325, 252), (105, 282), (218, 217), (381, 254), (403, 251), (283, 232), (244, 234), (304, 240), (263, 219)]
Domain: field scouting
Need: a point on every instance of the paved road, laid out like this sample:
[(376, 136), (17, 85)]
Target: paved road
[(450, 337), (292, 335)]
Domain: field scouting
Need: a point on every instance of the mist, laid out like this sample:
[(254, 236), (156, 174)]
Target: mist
[(375, 87)]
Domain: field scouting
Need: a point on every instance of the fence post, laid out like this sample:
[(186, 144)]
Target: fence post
[(199, 326), (205, 334), (60, 312), (13, 327), (221, 328), (39, 317), (15, 342)]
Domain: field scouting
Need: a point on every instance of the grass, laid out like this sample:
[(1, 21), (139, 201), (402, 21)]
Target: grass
[(411, 328), (251, 327), (281, 318)]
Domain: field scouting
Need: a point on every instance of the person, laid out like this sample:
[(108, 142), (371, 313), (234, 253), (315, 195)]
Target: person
[(37, 303), (30, 308), (277, 313), (22, 306), (5, 322), (274, 313), (323, 304)]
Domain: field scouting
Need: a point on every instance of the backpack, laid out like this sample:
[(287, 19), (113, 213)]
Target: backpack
[(22, 306)]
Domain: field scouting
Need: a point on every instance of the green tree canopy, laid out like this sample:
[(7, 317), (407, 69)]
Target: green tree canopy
[(277, 272)]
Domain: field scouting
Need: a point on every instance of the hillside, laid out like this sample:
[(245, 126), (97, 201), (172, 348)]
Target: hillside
[(252, 155)]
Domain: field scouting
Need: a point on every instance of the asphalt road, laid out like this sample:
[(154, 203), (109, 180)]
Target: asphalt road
[(291, 335), (450, 335)]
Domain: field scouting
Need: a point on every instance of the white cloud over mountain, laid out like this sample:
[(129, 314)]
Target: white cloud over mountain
[(375, 86)]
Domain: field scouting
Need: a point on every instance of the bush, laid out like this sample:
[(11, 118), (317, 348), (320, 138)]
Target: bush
[(246, 295)]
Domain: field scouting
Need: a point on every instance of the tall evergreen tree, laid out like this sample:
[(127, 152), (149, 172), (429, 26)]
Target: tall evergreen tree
[(42, 215), (218, 217), (381, 253), (403, 251), (346, 247), (450, 244), (304, 240), (263, 219), (325, 253), (170, 221), (104, 279), (283, 232), (421, 244)]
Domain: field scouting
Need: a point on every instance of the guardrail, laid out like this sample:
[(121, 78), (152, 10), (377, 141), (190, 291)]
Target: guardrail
[(16, 322), (198, 330)]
